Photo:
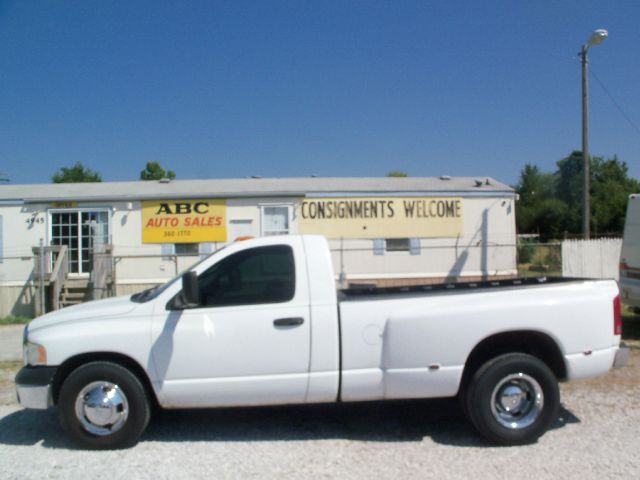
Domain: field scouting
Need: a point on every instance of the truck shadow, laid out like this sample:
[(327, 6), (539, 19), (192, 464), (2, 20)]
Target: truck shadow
[(402, 421)]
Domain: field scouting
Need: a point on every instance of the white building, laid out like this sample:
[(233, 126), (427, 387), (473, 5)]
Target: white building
[(381, 230)]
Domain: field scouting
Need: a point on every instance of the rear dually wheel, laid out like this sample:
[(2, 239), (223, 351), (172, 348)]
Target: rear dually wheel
[(513, 399)]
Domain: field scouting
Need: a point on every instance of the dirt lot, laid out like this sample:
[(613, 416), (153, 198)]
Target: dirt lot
[(8, 372)]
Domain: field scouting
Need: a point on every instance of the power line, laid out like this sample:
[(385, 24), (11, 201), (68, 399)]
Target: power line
[(616, 104)]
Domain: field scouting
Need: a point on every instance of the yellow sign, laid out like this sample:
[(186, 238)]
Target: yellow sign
[(184, 221), (64, 204), (396, 217)]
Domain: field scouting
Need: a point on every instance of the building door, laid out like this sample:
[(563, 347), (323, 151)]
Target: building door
[(81, 231)]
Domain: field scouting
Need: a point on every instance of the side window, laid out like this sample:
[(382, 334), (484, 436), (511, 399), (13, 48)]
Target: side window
[(254, 276), (188, 249), (275, 220)]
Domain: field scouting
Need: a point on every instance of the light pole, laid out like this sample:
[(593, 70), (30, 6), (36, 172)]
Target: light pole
[(596, 38)]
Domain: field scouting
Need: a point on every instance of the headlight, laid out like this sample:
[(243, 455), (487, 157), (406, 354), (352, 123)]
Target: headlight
[(34, 354)]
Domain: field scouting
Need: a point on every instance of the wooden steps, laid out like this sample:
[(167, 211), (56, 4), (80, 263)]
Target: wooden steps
[(74, 291)]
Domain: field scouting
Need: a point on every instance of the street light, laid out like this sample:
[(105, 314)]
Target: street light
[(597, 37)]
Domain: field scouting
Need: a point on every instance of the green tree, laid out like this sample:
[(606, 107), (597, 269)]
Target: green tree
[(536, 205), (569, 190), (610, 189), (153, 171), (397, 173), (551, 203), (76, 174)]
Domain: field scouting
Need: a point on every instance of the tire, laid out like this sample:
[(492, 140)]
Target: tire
[(513, 399), (102, 405)]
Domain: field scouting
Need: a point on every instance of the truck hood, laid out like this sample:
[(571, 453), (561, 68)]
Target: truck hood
[(85, 311)]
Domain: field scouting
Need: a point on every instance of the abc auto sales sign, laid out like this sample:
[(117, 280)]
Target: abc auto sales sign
[(184, 221)]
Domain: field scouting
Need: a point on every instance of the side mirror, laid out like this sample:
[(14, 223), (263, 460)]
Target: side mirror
[(190, 290)]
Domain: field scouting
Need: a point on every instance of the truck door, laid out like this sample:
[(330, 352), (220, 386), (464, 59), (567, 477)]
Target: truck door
[(249, 340)]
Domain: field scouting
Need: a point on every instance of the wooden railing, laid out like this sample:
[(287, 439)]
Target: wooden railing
[(58, 275), (44, 275), (102, 279)]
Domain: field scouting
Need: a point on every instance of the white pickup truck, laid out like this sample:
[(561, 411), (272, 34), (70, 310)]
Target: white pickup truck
[(260, 323)]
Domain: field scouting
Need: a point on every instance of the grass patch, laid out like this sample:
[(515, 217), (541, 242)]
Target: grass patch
[(526, 270), (14, 320), (539, 260)]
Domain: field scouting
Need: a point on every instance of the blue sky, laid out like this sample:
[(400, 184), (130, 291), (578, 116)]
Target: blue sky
[(228, 89)]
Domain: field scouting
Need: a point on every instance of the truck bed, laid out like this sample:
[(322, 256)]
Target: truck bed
[(358, 291)]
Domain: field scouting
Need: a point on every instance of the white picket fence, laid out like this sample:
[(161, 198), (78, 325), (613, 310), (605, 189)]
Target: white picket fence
[(591, 258)]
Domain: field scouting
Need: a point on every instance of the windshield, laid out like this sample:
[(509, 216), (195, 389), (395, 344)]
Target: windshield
[(154, 292)]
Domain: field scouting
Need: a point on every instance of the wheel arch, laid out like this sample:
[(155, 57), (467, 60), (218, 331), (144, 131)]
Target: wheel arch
[(69, 365), (534, 343)]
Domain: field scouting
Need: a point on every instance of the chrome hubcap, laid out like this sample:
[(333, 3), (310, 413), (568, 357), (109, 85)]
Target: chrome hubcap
[(102, 408), (517, 401)]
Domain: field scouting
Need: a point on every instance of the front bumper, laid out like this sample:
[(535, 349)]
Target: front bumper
[(622, 356), (33, 387)]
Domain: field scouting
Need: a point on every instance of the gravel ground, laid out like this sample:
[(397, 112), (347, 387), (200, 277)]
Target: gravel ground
[(596, 437), (11, 342)]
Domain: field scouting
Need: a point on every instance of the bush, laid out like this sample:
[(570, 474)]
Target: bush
[(525, 252), (554, 259)]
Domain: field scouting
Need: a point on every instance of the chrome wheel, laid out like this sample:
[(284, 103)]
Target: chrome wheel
[(102, 408), (517, 401)]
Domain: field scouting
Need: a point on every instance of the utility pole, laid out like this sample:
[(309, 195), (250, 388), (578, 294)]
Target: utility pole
[(596, 38)]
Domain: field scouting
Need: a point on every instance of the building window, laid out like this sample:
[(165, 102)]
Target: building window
[(411, 245), (397, 244), (188, 249), (81, 231), (276, 220)]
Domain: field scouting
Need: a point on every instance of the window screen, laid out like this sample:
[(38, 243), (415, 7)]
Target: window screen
[(275, 220), (187, 249), (397, 244), (254, 276)]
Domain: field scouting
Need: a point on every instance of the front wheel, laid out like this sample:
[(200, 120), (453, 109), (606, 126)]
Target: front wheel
[(103, 405), (513, 399)]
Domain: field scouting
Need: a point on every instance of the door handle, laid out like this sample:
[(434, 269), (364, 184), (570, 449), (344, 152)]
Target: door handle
[(288, 322)]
